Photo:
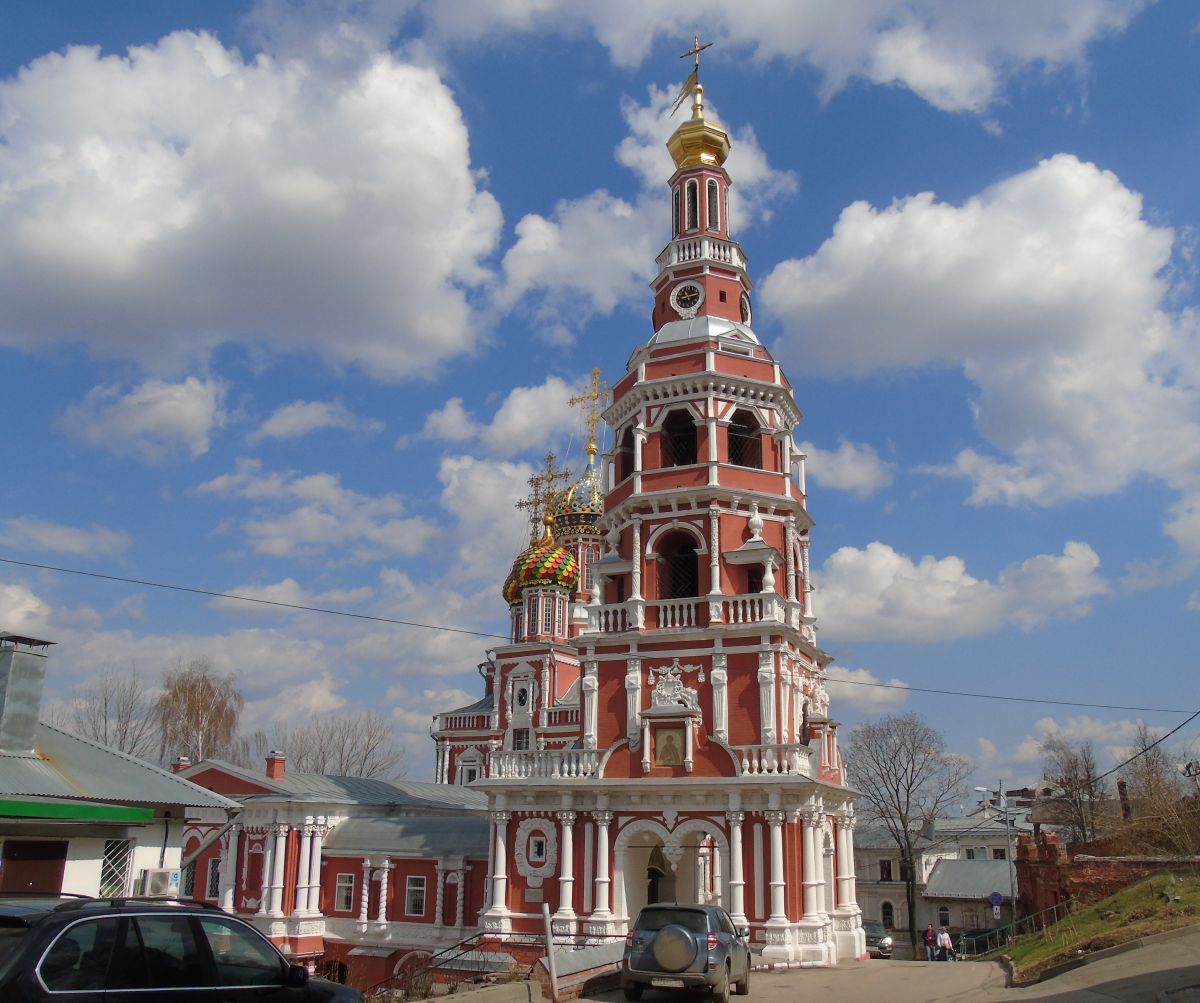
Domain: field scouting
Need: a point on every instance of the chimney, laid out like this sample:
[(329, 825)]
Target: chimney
[(181, 763), (275, 761), (22, 673)]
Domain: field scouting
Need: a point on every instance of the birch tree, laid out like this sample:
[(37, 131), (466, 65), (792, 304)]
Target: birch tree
[(197, 712)]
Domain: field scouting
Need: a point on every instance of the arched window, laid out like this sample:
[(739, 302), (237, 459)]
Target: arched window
[(625, 455), (693, 205), (943, 915), (713, 201), (678, 567), (518, 625), (889, 915), (678, 440), (745, 441), (675, 212)]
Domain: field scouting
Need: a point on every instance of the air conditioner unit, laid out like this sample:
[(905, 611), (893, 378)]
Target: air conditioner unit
[(160, 882)]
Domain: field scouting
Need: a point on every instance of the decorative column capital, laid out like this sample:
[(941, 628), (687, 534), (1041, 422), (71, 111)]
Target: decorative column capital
[(813, 819), (500, 817), (775, 817), (735, 817), (566, 817), (602, 817)]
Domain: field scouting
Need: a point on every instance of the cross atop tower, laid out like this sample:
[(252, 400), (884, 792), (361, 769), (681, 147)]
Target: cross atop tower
[(596, 392), (543, 493), (695, 50)]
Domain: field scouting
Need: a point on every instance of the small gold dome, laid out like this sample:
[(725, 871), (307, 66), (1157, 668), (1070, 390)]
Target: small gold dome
[(698, 143)]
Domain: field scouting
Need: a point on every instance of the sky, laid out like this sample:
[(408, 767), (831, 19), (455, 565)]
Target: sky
[(293, 295)]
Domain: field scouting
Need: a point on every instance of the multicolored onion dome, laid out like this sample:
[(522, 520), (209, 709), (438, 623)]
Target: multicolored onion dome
[(581, 505), (544, 563)]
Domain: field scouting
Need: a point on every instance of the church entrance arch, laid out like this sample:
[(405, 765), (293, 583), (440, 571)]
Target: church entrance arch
[(687, 863)]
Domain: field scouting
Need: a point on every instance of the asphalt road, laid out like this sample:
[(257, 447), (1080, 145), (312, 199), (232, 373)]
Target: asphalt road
[(1162, 972)]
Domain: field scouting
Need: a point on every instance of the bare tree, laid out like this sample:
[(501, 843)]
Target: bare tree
[(355, 744), (907, 779), (197, 712), (117, 711), (1076, 805), (1163, 817)]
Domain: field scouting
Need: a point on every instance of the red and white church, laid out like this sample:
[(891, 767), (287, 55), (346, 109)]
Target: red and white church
[(658, 727)]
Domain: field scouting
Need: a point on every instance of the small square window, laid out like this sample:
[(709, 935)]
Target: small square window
[(343, 894), (520, 740), (414, 896), (999, 853), (537, 850), (970, 853)]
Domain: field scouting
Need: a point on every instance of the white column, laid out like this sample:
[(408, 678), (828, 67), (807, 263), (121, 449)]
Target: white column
[(314, 867), (500, 873), (381, 912), (566, 866), (264, 892), (635, 585), (737, 880), (229, 855), (720, 678), (778, 906), (789, 526), (785, 703), (365, 892), (718, 875), (306, 834), (714, 552), (460, 899), (812, 879), (602, 819), (439, 898), (279, 858), (805, 574), (766, 696)]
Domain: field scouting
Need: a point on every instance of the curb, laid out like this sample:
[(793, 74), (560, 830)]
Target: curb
[(1111, 952)]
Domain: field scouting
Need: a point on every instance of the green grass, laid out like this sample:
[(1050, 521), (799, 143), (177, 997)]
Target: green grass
[(1159, 903)]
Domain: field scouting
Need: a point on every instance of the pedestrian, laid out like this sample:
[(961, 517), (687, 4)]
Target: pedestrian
[(945, 945), (930, 942)]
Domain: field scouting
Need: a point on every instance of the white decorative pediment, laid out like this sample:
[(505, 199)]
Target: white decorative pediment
[(670, 691)]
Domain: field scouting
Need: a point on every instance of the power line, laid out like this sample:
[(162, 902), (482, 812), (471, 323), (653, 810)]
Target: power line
[(300, 607), (1142, 752)]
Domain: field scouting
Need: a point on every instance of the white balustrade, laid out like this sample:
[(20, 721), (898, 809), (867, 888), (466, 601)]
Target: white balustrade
[(563, 715), (545, 763), (678, 613), (610, 619), (699, 248), (462, 722), (762, 760)]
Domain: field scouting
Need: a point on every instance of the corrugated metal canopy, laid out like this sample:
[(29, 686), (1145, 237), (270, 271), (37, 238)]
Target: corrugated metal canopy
[(65, 766), (412, 835), (968, 879)]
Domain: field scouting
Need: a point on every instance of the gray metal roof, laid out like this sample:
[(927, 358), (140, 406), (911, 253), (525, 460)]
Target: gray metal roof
[(968, 879), (878, 838), (355, 790), (412, 835), (66, 766)]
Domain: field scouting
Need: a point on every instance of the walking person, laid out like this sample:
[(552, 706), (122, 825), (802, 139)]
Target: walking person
[(930, 942), (945, 945)]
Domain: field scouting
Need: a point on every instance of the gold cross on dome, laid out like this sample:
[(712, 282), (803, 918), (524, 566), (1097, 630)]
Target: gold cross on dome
[(543, 493), (695, 50), (596, 392)]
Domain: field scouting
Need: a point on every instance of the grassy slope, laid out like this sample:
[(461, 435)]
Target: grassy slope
[(1157, 904)]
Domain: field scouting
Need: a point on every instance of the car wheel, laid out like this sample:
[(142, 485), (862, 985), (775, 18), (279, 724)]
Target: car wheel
[(721, 989), (633, 990), (742, 988)]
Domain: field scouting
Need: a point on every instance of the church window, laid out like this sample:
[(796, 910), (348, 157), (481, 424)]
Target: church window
[(885, 870), (547, 614), (677, 440), (470, 775), (723, 296), (625, 455), (213, 887), (518, 625), (414, 895), (745, 441), (943, 915), (537, 850), (520, 740), (693, 205), (675, 212), (343, 893), (889, 915), (678, 568), (754, 580), (713, 200), (620, 583)]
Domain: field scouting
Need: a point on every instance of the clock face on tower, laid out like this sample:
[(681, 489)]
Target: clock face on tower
[(747, 314), (686, 298)]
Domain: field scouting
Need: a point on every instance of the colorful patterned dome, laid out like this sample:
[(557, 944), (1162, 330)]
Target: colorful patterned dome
[(543, 563), (581, 505)]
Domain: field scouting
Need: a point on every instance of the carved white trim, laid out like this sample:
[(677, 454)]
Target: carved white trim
[(536, 873)]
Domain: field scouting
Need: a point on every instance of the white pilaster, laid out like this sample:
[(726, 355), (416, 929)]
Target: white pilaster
[(720, 678), (766, 696), (566, 870), (279, 858), (301, 902)]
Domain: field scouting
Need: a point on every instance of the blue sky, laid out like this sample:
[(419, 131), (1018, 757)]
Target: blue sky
[(292, 297)]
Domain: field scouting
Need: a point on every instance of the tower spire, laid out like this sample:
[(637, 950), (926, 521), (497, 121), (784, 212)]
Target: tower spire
[(544, 489)]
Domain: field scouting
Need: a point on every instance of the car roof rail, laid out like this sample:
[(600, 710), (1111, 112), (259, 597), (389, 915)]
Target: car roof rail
[(139, 900)]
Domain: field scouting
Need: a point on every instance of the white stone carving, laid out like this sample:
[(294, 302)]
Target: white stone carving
[(536, 872), (669, 691)]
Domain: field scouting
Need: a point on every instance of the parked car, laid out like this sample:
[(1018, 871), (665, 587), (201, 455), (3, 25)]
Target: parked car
[(675, 946), (121, 950), (879, 941)]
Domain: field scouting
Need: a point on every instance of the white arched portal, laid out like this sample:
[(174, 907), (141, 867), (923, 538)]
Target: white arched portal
[(679, 848)]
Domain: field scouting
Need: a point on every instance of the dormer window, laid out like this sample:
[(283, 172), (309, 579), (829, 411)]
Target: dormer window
[(713, 202), (693, 205)]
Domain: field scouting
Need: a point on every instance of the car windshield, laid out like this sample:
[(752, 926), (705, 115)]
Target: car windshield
[(874, 928), (690, 919)]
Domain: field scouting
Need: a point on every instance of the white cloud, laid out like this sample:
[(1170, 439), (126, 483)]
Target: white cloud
[(291, 421), (879, 594), (288, 592), (1049, 291), (169, 200), (864, 690), (38, 534), (854, 467), (299, 515), (1109, 738), (482, 495), (153, 421), (451, 422), (21, 611), (955, 56)]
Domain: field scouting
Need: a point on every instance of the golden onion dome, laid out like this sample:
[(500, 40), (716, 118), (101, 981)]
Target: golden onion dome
[(697, 142)]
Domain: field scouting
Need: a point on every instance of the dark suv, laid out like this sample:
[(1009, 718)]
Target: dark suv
[(686, 947), (120, 950)]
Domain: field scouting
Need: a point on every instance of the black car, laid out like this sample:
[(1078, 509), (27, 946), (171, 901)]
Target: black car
[(122, 950), (674, 946), (879, 941)]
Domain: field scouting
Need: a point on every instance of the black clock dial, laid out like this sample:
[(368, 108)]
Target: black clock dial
[(688, 296), (746, 312)]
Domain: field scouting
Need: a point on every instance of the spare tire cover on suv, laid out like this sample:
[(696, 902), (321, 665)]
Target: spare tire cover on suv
[(674, 948)]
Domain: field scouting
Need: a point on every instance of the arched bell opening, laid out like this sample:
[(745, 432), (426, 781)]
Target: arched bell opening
[(677, 440), (678, 567), (745, 441)]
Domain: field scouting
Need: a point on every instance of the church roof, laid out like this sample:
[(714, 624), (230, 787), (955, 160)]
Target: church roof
[(412, 835), (703, 327), (543, 563)]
